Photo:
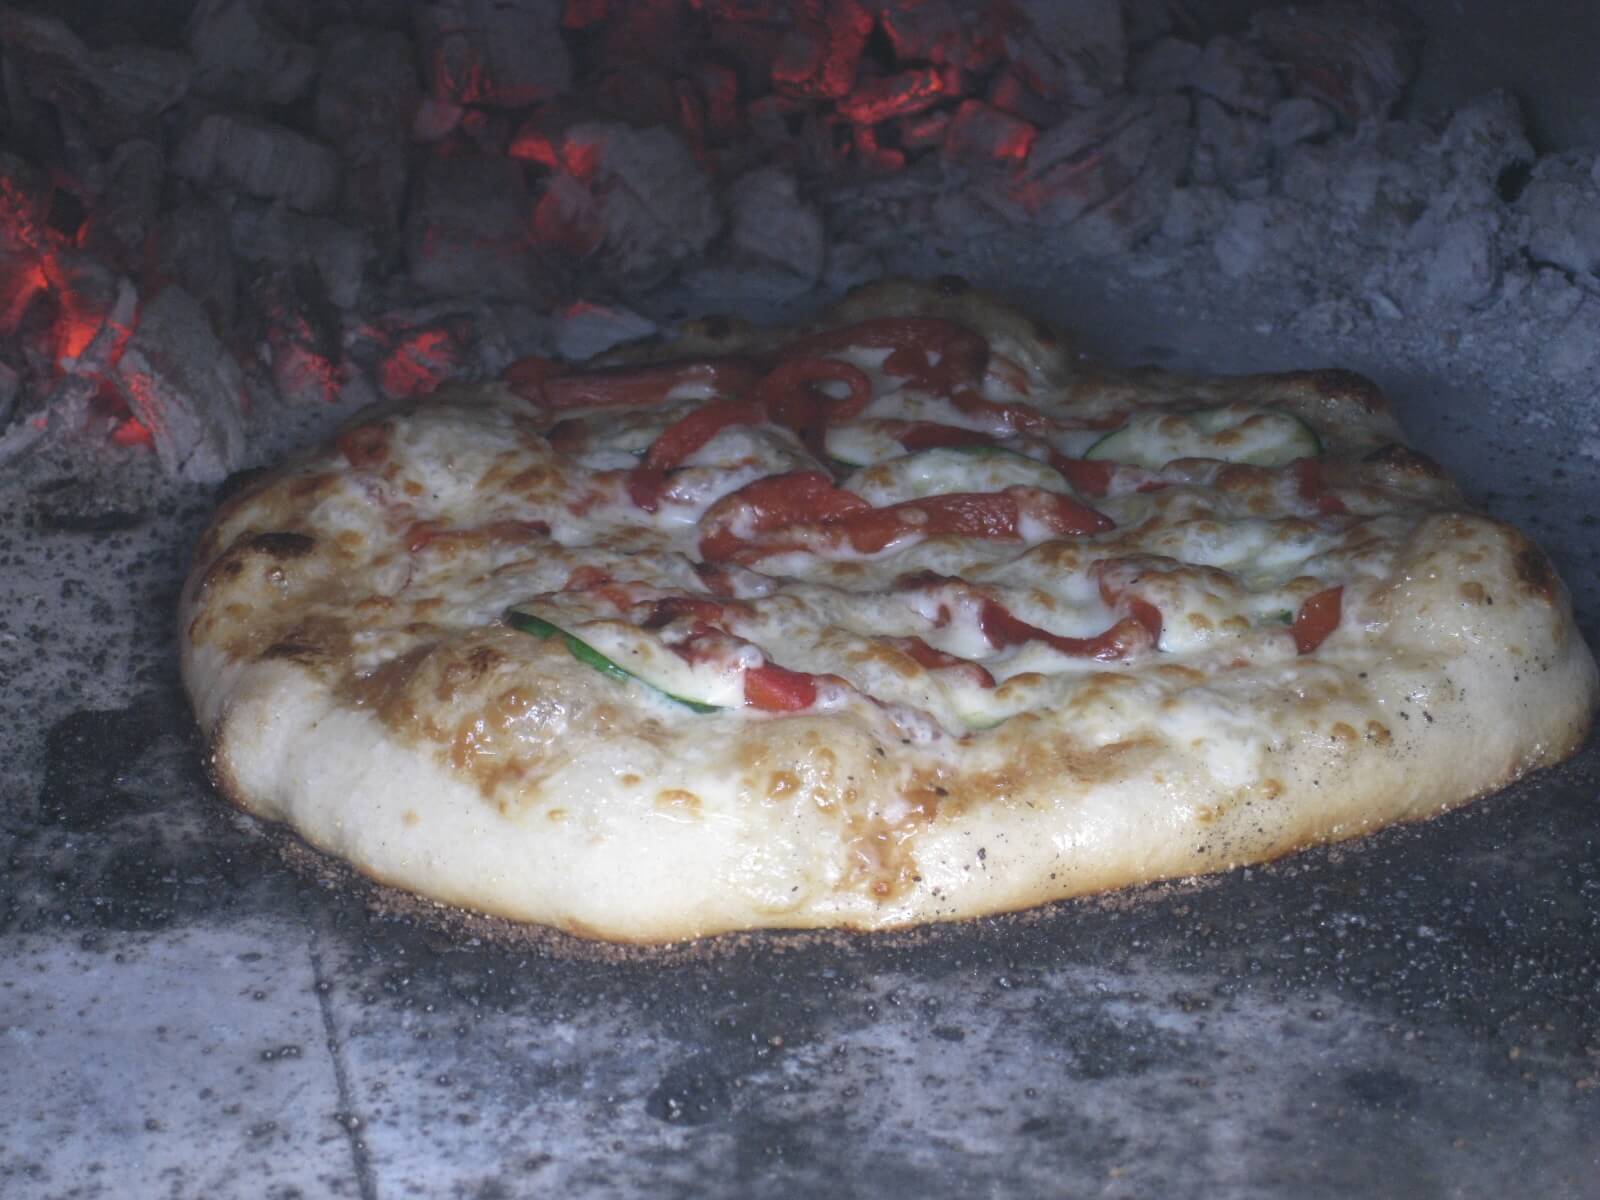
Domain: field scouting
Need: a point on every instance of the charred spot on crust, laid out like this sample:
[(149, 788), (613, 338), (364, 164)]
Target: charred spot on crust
[(1046, 335), (951, 285), (1534, 571), (293, 650), (239, 482), (1336, 383), (716, 326), (281, 544), (1405, 461)]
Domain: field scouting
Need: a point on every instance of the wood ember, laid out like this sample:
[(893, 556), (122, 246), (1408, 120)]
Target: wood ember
[(500, 53), (260, 159), (191, 246), (467, 229), (118, 226), (818, 57), (117, 91), (185, 387), (981, 134), (1071, 50), (367, 102), (242, 55), (653, 201), (273, 236), (1356, 58)]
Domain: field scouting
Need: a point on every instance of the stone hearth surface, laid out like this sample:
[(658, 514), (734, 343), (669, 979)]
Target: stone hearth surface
[(183, 1014)]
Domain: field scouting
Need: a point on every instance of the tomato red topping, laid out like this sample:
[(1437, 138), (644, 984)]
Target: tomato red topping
[(772, 688), (791, 396), (1307, 474), (525, 376), (1317, 618), (1091, 478), (772, 503), (365, 446), (670, 608)]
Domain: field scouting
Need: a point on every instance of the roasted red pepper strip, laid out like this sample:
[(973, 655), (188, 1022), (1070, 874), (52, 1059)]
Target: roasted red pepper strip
[(1317, 618), (681, 439), (930, 435), (1004, 629), (773, 503), (1088, 477), (772, 688), (791, 397), (525, 376), (619, 387), (1307, 473)]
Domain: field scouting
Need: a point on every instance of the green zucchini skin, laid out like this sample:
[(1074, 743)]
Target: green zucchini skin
[(589, 656)]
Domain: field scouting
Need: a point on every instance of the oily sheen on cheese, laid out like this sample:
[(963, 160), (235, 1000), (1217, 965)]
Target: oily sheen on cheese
[(908, 614)]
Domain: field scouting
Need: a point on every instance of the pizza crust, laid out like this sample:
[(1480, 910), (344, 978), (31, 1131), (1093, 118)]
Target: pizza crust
[(450, 756)]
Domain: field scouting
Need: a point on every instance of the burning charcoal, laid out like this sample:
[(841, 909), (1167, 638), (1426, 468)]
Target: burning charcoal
[(1238, 75), (750, 47), (817, 59), (980, 134), (925, 132), (367, 99), (1299, 119), (1164, 66), (900, 95), (1010, 92), (584, 328), (260, 159), (423, 358), (191, 247), (466, 231), (1229, 147), (10, 385), (653, 200), (242, 56), (116, 91), (771, 225), (1118, 162), (873, 157), (936, 31), (273, 236), (24, 245), (65, 408), (1356, 58), (120, 222), (185, 387), (301, 335), (498, 53), (1072, 50)]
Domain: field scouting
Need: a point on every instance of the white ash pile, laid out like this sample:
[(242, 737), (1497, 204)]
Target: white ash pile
[(225, 218)]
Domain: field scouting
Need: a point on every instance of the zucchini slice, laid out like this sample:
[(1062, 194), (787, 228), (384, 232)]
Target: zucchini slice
[(655, 668)]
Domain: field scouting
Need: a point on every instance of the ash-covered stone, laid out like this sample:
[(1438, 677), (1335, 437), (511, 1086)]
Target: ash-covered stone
[(244, 57), (185, 387), (939, 31), (116, 91), (260, 159), (1237, 74), (467, 229), (771, 225), (1230, 147), (1299, 119), (1164, 66), (301, 335), (366, 105), (1356, 58), (500, 53), (1561, 206)]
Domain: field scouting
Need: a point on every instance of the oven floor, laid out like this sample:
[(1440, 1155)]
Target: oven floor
[(182, 1014)]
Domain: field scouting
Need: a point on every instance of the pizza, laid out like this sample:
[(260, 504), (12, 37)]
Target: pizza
[(909, 613)]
